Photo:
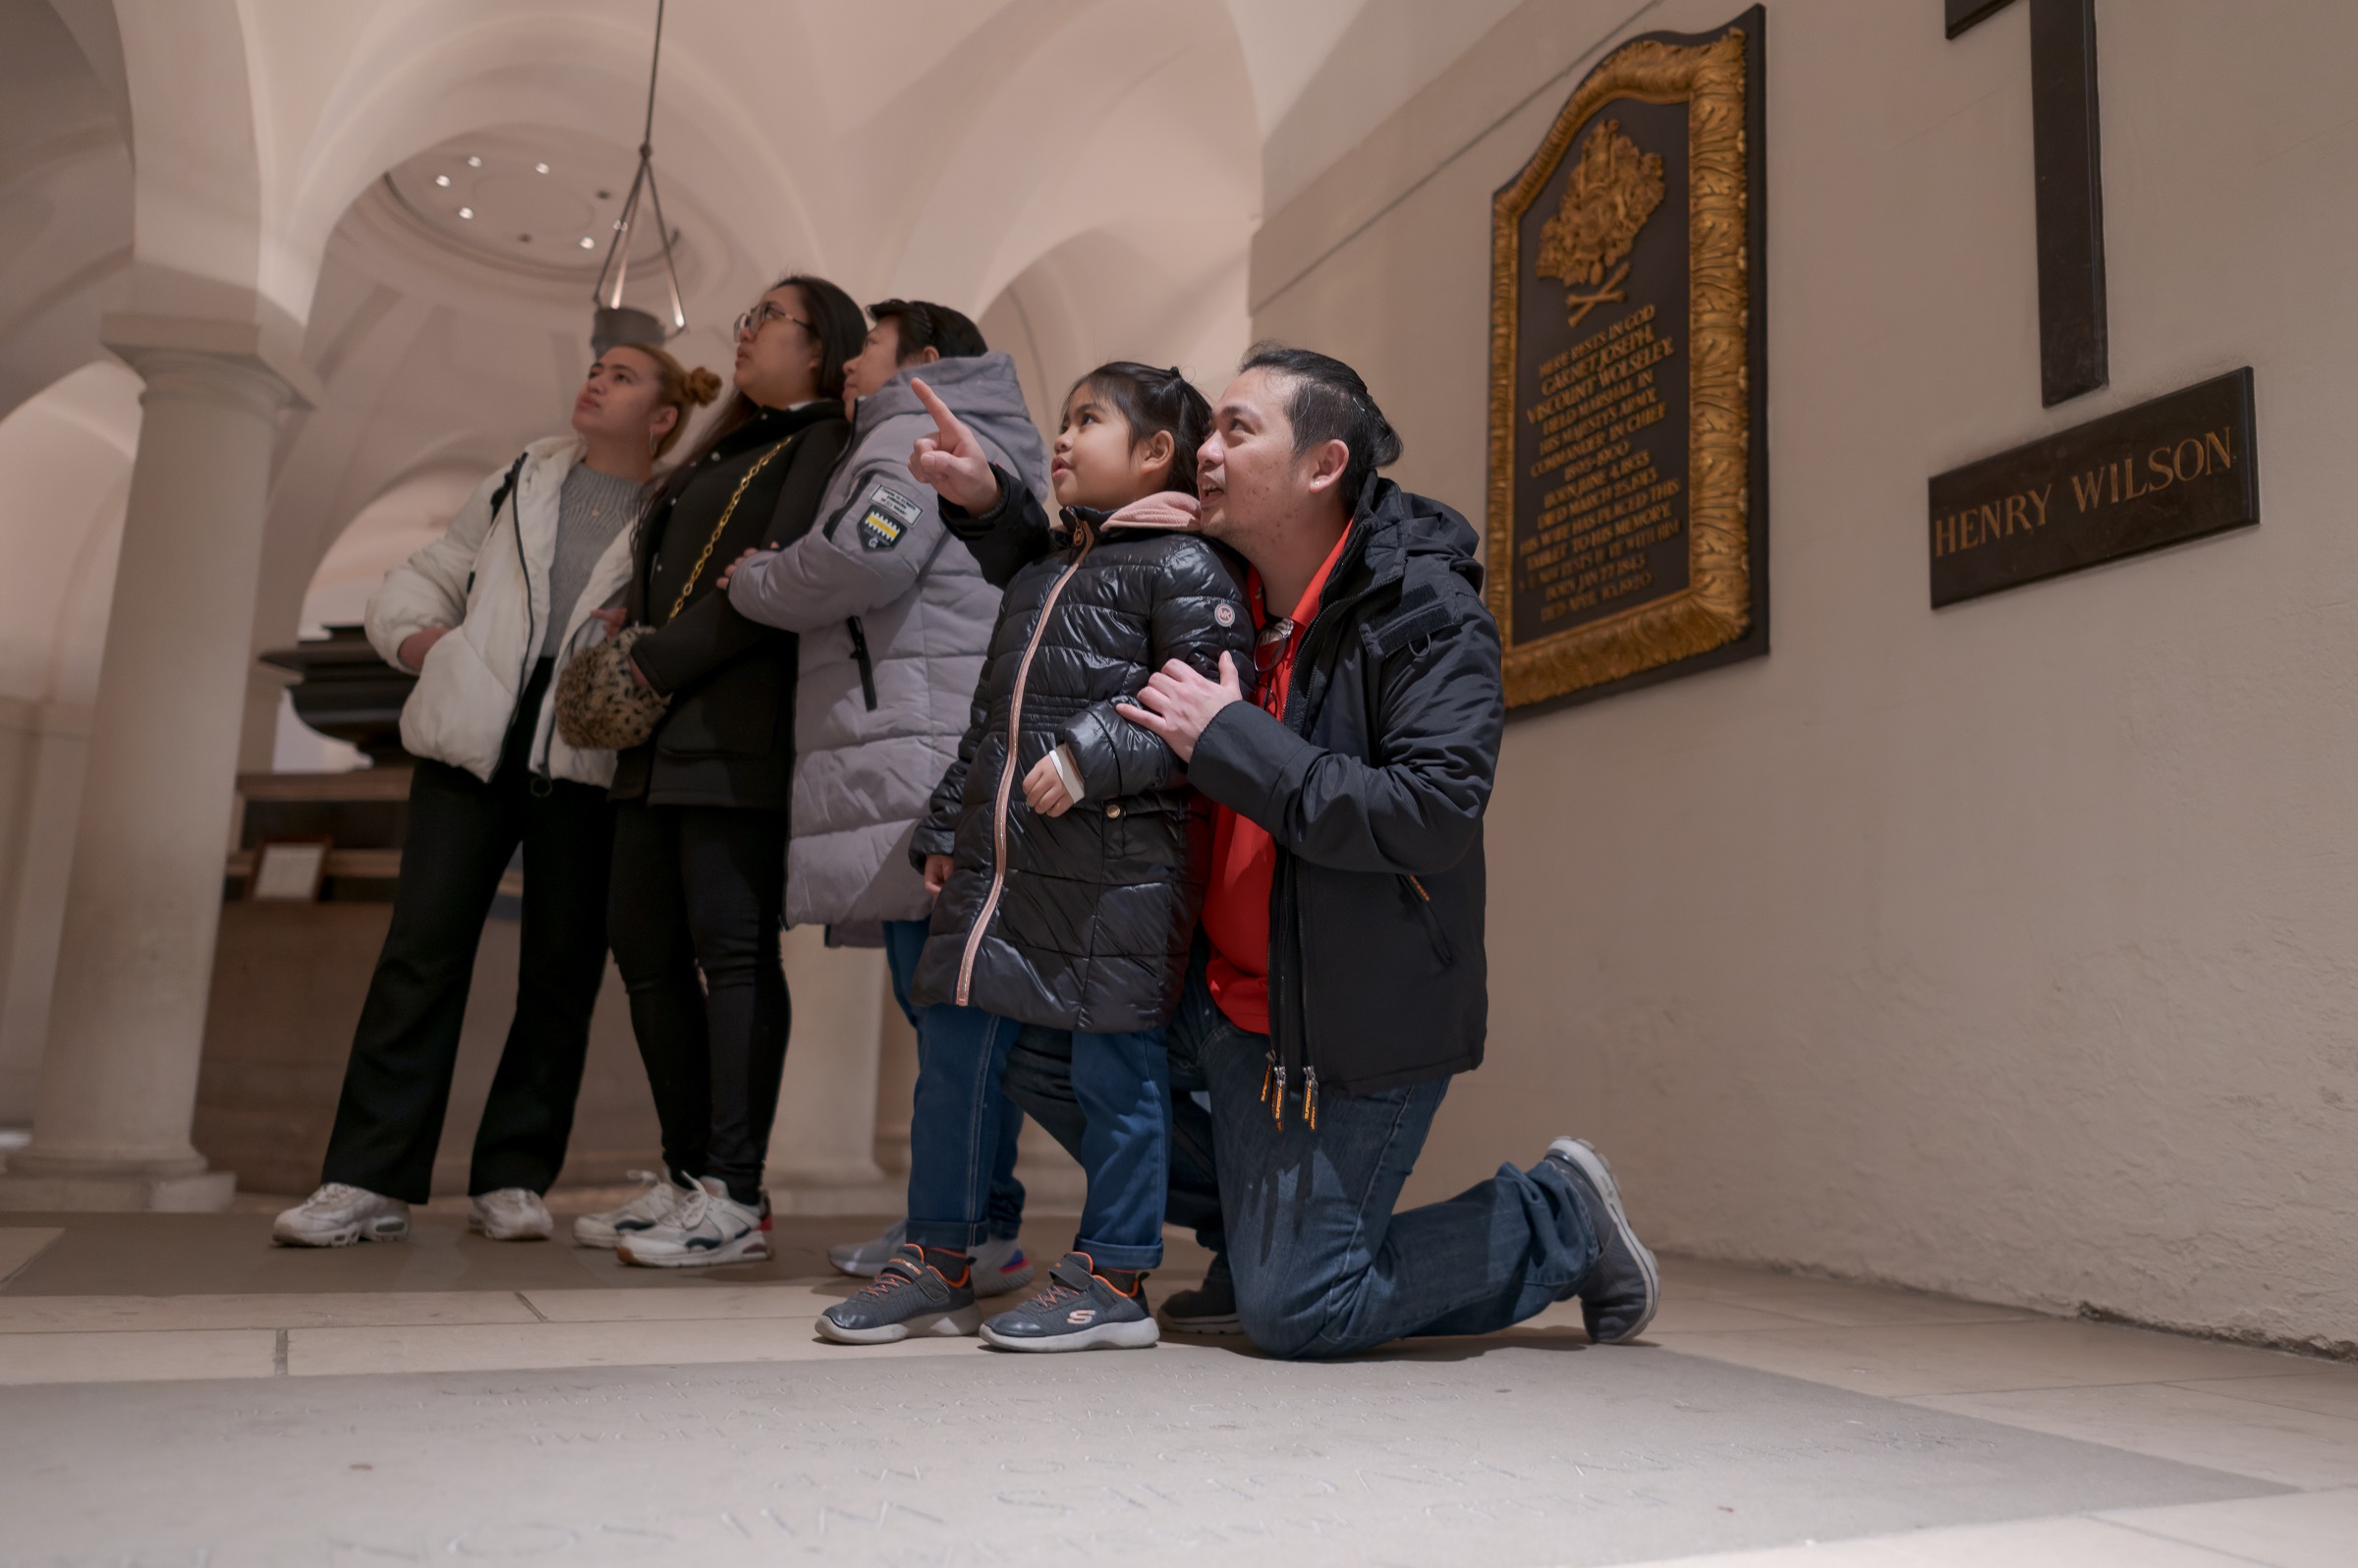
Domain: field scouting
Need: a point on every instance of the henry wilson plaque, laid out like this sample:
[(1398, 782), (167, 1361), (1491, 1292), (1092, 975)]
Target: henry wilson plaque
[(1628, 519)]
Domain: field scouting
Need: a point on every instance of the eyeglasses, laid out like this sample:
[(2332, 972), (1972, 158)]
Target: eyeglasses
[(1269, 646), (750, 324)]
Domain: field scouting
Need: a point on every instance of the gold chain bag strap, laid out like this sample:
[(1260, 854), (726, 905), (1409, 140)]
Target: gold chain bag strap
[(599, 708)]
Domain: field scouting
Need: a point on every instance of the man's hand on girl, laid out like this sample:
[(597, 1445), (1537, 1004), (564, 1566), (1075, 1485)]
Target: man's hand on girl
[(1178, 704), (1044, 791), (951, 459), (610, 618)]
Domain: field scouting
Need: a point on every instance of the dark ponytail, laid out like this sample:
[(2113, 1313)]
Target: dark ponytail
[(1154, 400)]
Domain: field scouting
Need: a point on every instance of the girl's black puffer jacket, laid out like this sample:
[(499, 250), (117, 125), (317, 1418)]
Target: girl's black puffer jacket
[(1083, 921)]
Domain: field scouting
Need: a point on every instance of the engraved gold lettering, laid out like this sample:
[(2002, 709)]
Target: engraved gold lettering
[(2217, 442), (2157, 461), (2039, 498)]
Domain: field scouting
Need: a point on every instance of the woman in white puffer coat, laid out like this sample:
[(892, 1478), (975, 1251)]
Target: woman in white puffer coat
[(485, 615)]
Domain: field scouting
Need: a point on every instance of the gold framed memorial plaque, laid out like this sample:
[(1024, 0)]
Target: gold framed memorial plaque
[(1628, 504)]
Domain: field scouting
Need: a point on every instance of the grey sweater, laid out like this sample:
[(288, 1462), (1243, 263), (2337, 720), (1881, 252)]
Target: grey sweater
[(592, 510)]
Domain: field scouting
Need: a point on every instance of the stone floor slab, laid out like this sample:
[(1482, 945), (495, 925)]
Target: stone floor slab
[(1964, 1358), (1506, 1454), (2269, 1442), (2031, 1543), (2298, 1530), (114, 1358), (36, 1314)]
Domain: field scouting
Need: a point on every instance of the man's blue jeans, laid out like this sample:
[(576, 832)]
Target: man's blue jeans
[(1323, 1266), (962, 1186)]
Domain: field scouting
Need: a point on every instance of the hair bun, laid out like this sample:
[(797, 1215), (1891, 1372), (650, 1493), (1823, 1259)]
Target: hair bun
[(702, 386)]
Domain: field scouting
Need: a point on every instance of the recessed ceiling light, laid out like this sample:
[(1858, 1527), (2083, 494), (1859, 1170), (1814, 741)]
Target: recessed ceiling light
[(441, 178), (475, 164), (588, 243), (466, 212), (540, 168)]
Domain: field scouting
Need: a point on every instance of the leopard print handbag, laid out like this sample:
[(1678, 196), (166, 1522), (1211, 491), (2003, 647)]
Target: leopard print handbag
[(599, 708)]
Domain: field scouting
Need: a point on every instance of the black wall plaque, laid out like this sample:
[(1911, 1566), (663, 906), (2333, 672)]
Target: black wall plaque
[(1629, 495), (2176, 468)]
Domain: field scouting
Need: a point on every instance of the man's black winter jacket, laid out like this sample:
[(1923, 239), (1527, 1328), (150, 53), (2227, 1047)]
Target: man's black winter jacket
[(1082, 921), (1374, 784)]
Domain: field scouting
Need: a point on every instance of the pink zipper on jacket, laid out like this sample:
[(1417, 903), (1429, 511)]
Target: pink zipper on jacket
[(998, 811)]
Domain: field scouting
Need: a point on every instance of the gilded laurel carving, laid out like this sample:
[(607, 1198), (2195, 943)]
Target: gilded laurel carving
[(1714, 609), (1614, 190)]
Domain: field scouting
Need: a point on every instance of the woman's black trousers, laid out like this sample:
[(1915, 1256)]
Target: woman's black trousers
[(699, 890), (462, 835)]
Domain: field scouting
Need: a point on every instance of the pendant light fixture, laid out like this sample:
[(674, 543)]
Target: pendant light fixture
[(616, 323)]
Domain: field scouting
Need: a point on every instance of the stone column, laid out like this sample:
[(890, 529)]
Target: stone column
[(823, 1149), (143, 900)]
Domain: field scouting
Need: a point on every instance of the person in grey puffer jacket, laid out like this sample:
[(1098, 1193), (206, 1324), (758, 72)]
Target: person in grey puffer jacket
[(894, 616)]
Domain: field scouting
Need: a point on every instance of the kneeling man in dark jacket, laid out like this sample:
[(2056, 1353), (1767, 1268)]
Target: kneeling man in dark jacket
[(1339, 982)]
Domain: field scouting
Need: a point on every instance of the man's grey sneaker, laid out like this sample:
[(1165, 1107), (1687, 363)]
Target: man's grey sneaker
[(337, 1216), (510, 1213), (1078, 1310), (1619, 1297), (1208, 1309), (862, 1259), (609, 1228), (908, 1296), (709, 1229), (1001, 1266)]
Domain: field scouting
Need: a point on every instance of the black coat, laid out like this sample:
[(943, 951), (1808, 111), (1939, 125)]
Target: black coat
[(728, 735), (1090, 925), (1373, 786)]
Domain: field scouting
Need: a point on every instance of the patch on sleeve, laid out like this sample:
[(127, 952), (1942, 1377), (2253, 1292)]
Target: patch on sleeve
[(885, 518)]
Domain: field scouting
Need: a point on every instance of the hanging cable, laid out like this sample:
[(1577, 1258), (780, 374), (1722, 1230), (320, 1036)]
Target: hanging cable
[(617, 268)]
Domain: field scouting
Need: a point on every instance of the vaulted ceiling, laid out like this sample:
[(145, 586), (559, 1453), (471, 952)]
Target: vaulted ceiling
[(1083, 176)]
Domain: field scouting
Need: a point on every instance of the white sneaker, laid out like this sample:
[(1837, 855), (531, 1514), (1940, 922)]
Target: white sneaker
[(337, 1216), (862, 1259), (510, 1213), (1001, 1266), (709, 1229), (653, 1206)]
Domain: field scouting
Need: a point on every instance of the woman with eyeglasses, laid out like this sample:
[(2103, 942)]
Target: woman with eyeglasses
[(699, 837)]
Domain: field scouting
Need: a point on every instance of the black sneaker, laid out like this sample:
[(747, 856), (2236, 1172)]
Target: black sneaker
[(909, 1296), (1208, 1309), (1619, 1297), (1078, 1310)]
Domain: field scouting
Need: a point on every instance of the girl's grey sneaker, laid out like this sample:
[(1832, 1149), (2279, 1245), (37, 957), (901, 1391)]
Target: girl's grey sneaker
[(1208, 1309), (337, 1216), (909, 1296), (1619, 1297), (862, 1259), (1078, 1310), (653, 1206), (510, 1213), (1001, 1266), (707, 1230)]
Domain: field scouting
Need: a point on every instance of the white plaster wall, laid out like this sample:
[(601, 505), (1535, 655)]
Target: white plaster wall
[(2010, 950)]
